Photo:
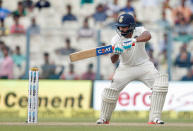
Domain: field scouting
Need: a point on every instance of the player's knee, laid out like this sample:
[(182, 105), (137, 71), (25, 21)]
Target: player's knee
[(110, 95), (161, 83), (118, 85)]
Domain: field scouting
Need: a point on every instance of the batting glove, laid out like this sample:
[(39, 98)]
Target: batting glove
[(128, 44), (118, 49)]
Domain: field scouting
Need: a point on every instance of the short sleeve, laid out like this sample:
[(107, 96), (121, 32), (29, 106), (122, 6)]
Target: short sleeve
[(142, 29), (139, 30)]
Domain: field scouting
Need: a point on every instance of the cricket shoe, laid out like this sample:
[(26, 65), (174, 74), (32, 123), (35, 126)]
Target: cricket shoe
[(156, 121), (102, 121)]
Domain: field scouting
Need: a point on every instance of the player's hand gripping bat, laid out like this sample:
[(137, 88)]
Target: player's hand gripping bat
[(92, 53)]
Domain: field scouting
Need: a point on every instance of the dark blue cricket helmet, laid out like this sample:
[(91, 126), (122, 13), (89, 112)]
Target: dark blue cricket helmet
[(126, 20)]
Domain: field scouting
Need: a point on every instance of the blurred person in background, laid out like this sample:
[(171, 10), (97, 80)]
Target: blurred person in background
[(188, 76), (182, 10), (85, 31), (18, 57), (17, 28), (28, 4), (89, 74), (20, 11), (67, 49), (69, 16), (71, 75), (163, 22), (179, 19), (128, 8), (113, 7), (48, 68), (100, 14), (34, 27), (102, 43), (57, 75), (166, 5), (183, 59), (19, 63), (3, 12), (6, 66), (163, 43), (2, 45), (3, 30), (183, 29), (42, 4)]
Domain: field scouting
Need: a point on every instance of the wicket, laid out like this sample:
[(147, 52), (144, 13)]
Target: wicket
[(33, 95)]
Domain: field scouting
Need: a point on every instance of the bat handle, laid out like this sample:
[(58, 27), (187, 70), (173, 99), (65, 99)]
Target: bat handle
[(114, 47)]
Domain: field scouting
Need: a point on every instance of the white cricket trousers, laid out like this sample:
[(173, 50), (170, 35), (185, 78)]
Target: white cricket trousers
[(124, 74)]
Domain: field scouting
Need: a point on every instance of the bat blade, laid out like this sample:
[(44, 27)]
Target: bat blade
[(90, 53), (82, 55)]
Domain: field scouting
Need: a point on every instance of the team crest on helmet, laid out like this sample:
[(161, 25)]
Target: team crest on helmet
[(121, 19)]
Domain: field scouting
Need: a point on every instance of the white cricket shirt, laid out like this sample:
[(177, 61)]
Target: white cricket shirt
[(137, 54)]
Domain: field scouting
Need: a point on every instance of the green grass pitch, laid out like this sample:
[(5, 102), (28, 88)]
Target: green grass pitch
[(88, 124), (92, 128)]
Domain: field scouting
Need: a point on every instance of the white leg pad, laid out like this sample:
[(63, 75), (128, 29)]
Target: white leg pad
[(159, 92), (109, 100)]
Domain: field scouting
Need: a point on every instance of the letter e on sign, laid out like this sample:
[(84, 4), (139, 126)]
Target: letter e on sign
[(124, 99)]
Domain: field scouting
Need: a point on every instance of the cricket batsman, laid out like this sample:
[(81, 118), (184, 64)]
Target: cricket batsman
[(134, 65)]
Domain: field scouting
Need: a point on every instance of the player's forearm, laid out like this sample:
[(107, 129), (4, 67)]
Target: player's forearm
[(114, 58), (144, 37)]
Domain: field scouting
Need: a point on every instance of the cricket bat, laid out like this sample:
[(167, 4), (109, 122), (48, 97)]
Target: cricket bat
[(91, 53)]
